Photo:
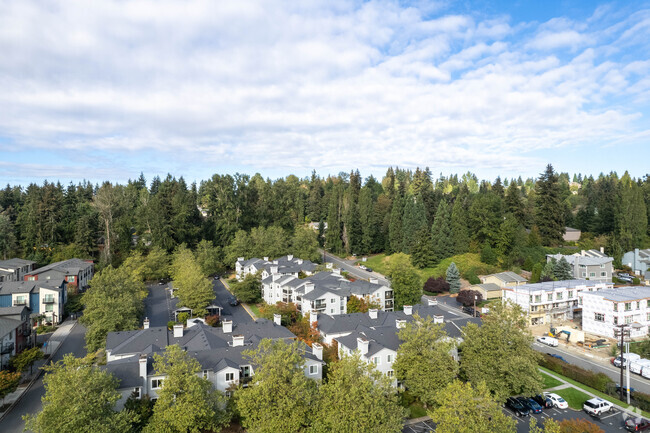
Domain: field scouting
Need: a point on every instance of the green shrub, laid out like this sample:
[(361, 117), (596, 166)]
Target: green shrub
[(182, 318), (598, 381), (472, 278), (642, 400), (170, 325), (636, 281)]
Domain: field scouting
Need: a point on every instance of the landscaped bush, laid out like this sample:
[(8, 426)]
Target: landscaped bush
[(472, 278), (642, 400), (468, 264), (436, 285), (466, 297), (598, 381), (212, 320)]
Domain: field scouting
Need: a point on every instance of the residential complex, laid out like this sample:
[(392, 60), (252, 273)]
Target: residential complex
[(286, 265), (74, 271), (591, 265), (638, 260), (46, 298), (15, 269), (603, 310), (129, 354), (551, 300), (504, 279)]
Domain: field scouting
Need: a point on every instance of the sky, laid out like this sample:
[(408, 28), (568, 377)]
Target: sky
[(104, 90)]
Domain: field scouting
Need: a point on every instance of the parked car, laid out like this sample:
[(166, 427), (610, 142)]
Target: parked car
[(515, 405), (629, 357), (472, 312), (556, 401), (637, 424), (548, 340), (368, 269), (558, 357), (618, 388), (233, 301), (363, 267), (543, 401), (597, 406), (530, 404)]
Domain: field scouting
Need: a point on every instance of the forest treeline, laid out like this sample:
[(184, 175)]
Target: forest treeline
[(405, 211)]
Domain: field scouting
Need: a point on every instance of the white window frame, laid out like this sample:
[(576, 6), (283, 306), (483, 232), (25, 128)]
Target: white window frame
[(389, 358), (313, 369), (599, 317), (158, 383), (232, 377), (376, 360)]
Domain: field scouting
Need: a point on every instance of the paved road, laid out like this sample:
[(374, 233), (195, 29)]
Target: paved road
[(31, 401), (236, 314), (158, 305), (348, 265)]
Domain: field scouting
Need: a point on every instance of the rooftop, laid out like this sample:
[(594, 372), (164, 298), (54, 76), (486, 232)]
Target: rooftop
[(549, 286), (622, 294), (68, 267), (509, 277)]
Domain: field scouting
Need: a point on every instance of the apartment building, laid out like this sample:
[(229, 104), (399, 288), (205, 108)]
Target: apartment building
[(46, 298), (590, 265), (219, 351), (75, 272), (604, 310), (551, 300), (287, 265), (15, 269), (638, 260)]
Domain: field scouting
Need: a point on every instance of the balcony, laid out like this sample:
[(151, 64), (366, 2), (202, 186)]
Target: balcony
[(6, 348), (47, 300), (20, 302), (388, 304)]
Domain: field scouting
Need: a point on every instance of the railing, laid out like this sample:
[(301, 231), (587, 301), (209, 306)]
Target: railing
[(7, 348), (48, 300), (18, 303)]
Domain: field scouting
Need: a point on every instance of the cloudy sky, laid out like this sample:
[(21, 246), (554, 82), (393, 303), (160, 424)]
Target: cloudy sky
[(106, 89)]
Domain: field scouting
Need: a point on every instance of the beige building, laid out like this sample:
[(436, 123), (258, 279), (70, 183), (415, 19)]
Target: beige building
[(504, 279), (487, 290)]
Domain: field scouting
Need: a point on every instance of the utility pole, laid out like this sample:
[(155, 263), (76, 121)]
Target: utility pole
[(474, 305), (622, 330)]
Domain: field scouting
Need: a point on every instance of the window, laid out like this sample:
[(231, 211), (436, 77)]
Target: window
[(332, 301), (602, 266), (313, 369), (628, 306), (136, 392), (615, 320), (592, 274), (615, 306), (558, 296), (230, 377), (71, 278), (531, 298), (648, 317), (538, 298), (390, 373), (603, 274), (205, 374), (49, 308), (599, 317), (389, 358), (583, 266), (549, 297), (638, 305), (584, 274), (332, 310), (156, 383), (375, 360), (628, 319)]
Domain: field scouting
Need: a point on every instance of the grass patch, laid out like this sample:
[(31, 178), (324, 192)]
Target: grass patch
[(255, 309), (412, 405), (591, 390), (574, 397), (550, 382)]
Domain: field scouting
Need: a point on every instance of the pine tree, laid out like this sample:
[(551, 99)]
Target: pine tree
[(459, 224), (333, 240), (422, 251), (562, 270), (441, 234), (632, 220), (536, 273), (549, 207), (366, 217), (547, 272), (413, 221), (395, 227), (514, 203), (453, 278)]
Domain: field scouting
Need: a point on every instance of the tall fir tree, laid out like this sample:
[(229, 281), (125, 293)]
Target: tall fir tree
[(453, 278), (549, 207), (514, 203), (422, 255), (413, 220), (459, 222), (441, 233), (632, 220), (333, 240), (562, 270), (395, 227)]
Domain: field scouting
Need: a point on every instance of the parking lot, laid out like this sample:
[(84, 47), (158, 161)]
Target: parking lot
[(611, 422)]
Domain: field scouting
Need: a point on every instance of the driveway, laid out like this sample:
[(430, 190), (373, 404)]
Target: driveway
[(30, 402), (237, 314), (348, 266), (158, 305)]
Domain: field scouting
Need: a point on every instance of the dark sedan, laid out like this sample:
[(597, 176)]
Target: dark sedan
[(515, 405), (543, 401), (530, 404)]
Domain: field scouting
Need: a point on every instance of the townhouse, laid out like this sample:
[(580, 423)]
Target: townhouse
[(75, 272), (46, 298), (15, 269), (219, 351), (604, 310), (286, 265), (504, 279), (551, 300), (22, 337), (638, 260), (375, 334), (591, 265), (324, 292)]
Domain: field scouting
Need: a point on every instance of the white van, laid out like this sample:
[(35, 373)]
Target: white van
[(645, 373), (629, 357), (639, 365)]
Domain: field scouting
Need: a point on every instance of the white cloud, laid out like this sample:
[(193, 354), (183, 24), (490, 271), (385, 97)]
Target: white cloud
[(324, 84)]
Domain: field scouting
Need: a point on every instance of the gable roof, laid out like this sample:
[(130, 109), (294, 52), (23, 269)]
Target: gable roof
[(10, 287), (509, 277), (15, 263), (67, 267), (488, 287), (8, 325)]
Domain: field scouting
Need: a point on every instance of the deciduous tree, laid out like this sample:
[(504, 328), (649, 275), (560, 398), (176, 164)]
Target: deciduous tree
[(405, 280), (26, 359)]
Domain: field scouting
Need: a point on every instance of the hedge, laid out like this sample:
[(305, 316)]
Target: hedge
[(598, 381)]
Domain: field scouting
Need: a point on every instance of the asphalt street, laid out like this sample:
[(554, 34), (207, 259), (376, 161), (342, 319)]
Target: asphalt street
[(348, 265), (31, 400), (237, 314), (158, 305)]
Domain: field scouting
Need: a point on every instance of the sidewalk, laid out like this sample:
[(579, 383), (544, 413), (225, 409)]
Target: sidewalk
[(50, 348)]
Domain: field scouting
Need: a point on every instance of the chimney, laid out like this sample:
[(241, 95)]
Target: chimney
[(408, 309), (266, 259), (362, 345), (275, 262), (240, 259), (329, 265), (373, 281), (399, 323), (237, 340), (290, 257), (274, 269), (336, 271), (317, 350), (309, 287), (277, 319), (372, 312), (314, 317), (583, 253), (145, 324), (432, 302), (178, 331), (438, 319), (299, 261), (143, 373), (227, 326), (602, 250)]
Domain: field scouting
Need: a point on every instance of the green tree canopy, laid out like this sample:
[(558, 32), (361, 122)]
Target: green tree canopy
[(194, 289), (562, 270), (186, 402), (441, 233), (405, 280), (356, 398), (424, 362), (500, 354), (549, 207), (281, 397), (26, 358), (453, 278)]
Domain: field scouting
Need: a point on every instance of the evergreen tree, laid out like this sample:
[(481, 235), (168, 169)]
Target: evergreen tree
[(413, 221), (453, 278), (405, 281), (536, 274), (366, 216), (549, 207), (562, 270), (395, 227), (441, 234), (333, 240), (547, 272), (459, 225), (510, 240), (632, 220), (422, 251), (514, 203)]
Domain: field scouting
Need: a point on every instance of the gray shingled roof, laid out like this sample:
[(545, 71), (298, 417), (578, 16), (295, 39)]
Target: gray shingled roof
[(15, 263), (488, 287), (583, 260), (510, 277), (8, 325), (67, 267), (9, 287), (553, 285)]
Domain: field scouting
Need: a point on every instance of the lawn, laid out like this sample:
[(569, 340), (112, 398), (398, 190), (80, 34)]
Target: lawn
[(550, 382), (255, 309), (574, 397)]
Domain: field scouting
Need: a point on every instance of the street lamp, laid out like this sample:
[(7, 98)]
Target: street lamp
[(475, 297), (623, 331)]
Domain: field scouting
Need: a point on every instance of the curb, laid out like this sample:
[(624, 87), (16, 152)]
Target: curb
[(38, 374), (245, 306)]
